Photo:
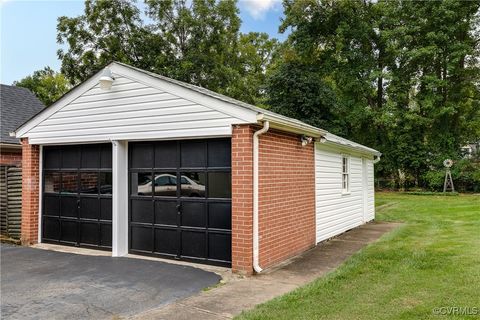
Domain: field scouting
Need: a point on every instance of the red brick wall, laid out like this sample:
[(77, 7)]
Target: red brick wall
[(11, 158), (242, 199), (30, 192), (286, 192), (286, 197)]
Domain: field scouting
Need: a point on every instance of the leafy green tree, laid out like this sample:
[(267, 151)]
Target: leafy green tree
[(256, 53), (194, 41), (108, 30), (405, 75), (46, 84), (201, 41)]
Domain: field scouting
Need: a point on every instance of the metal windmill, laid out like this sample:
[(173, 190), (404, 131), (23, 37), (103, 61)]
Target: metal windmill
[(448, 183)]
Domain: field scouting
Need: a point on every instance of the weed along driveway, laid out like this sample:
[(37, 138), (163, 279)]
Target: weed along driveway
[(43, 284)]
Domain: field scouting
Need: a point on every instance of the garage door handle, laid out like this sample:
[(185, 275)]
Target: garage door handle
[(179, 208), (78, 204)]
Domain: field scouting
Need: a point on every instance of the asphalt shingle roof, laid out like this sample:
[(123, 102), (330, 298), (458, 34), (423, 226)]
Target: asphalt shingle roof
[(17, 105)]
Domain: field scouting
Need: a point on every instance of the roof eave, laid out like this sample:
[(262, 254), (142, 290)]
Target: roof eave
[(285, 124), (8, 145), (348, 147)]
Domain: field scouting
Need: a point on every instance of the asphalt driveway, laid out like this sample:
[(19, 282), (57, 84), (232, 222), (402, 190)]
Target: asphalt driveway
[(42, 284)]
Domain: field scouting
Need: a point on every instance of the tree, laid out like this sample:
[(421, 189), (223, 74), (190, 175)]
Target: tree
[(201, 41), (194, 41), (46, 84), (256, 53), (108, 30), (405, 75)]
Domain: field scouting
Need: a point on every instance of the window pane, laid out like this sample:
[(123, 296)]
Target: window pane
[(89, 183), (165, 184), (105, 182), (52, 182), (71, 157), (106, 156), (166, 154), (192, 154), (193, 184), (90, 156), (141, 183), (345, 182), (219, 153), (219, 185), (69, 182), (141, 155), (52, 157)]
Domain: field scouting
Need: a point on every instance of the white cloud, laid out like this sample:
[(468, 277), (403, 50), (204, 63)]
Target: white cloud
[(258, 8)]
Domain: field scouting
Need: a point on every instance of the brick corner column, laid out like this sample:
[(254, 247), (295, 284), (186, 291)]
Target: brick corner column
[(30, 192), (242, 199)]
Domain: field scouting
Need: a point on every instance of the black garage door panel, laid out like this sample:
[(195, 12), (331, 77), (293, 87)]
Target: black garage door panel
[(77, 200), (180, 199)]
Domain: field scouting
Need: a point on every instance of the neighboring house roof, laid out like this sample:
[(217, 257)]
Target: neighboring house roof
[(245, 112), (17, 105)]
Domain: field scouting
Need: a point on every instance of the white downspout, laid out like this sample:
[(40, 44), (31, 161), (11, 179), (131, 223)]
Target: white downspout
[(256, 265)]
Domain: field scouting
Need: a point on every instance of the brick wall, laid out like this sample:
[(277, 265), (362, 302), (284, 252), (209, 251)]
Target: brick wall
[(242, 199), (11, 158), (286, 192), (30, 192), (286, 197)]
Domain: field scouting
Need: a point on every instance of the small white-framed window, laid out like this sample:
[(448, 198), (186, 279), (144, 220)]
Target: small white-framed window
[(345, 174)]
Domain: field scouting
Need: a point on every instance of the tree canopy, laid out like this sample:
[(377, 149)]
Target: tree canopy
[(399, 76), (196, 41), (46, 84)]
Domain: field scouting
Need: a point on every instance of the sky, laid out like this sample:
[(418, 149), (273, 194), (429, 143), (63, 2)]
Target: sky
[(28, 31)]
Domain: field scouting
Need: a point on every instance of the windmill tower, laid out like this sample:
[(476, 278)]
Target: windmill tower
[(448, 183)]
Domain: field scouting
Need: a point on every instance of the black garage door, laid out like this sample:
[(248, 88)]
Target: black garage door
[(180, 199), (77, 195)]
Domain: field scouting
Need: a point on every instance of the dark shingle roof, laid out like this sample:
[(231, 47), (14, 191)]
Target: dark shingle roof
[(17, 105)]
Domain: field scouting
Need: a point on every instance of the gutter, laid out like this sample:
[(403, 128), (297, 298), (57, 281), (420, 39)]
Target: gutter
[(290, 125), (256, 265), (10, 145)]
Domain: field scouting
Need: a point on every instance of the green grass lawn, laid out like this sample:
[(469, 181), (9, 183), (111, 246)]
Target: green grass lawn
[(433, 260)]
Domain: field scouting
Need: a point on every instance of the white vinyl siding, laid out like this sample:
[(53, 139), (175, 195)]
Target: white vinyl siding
[(130, 110), (337, 211)]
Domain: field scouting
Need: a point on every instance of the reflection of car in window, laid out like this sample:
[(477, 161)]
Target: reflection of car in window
[(166, 185), (191, 188), (165, 180)]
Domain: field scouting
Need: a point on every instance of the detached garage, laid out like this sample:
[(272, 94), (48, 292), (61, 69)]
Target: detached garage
[(133, 162)]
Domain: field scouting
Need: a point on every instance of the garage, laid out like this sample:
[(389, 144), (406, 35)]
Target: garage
[(138, 163), (180, 199), (77, 195)]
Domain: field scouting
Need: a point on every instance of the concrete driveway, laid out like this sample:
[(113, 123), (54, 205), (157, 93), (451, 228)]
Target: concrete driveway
[(42, 284)]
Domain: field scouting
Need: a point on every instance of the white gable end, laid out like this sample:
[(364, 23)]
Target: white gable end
[(136, 108)]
